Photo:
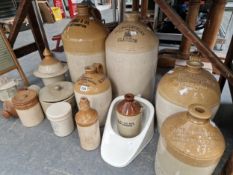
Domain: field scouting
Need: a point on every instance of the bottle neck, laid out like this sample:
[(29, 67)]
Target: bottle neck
[(194, 66), (199, 114), (83, 10), (131, 17), (84, 104)]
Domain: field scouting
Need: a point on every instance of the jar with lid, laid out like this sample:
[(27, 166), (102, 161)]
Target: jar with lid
[(57, 92), (189, 144), (184, 86), (84, 42), (28, 107), (129, 114), (131, 57), (88, 125), (50, 69), (95, 86)]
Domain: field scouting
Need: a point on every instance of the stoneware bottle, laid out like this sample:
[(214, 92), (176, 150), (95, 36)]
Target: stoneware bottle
[(131, 57), (50, 70), (95, 86), (88, 125), (28, 107), (189, 144), (184, 86), (84, 42), (129, 113)]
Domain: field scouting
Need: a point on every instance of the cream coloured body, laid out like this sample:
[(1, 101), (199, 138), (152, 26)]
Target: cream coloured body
[(167, 164), (77, 63), (32, 116), (89, 136), (100, 102), (64, 126), (132, 72), (51, 80), (165, 108), (129, 126)]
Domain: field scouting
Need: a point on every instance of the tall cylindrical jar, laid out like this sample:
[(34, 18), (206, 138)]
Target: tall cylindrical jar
[(84, 42), (95, 86), (131, 58), (88, 125), (129, 114), (184, 86), (28, 107), (189, 144)]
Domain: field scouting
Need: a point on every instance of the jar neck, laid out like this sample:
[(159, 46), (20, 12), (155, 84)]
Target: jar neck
[(198, 114), (84, 104), (83, 10), (129, 97), (131, 17), (194, 66)]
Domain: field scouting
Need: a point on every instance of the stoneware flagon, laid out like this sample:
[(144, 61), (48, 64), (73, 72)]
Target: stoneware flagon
[(131, 57), (129, 116), (184, 86), (95, 86), (189, 144), (84, 42), (51, 70), (88, 125)]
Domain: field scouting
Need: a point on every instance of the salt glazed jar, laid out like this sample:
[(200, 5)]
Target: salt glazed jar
[(95, 86), (184, 86), (50, 70), (189, 144), (28, 107), (84, 42), (60, 116), (131, 57), (129, 114), (88, 125)]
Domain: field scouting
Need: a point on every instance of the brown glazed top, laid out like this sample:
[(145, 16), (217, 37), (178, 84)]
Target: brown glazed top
[(48, 58), (129, 107), (192, 138), (86, 115), (191, 84), (84, 34), (25, 99), (131, 36), (93, 81)]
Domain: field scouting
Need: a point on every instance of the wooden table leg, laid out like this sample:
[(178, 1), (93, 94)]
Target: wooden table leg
[(191, 20)]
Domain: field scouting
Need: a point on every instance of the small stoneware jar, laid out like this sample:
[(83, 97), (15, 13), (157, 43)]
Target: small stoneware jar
[(60, 116), (189, 144), (57, 92), (129, 113), (184, 86), (95, 86), (88, 125), (28, 107), (51, 69)]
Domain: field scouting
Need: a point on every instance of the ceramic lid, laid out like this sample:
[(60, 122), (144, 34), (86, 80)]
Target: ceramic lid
[(25, 99), (93, 81), (50, 66), (58, 111), (55, 92), (86, 115), (192, 137), (184, 86), (129, 106), (84, 34), (131, 36)]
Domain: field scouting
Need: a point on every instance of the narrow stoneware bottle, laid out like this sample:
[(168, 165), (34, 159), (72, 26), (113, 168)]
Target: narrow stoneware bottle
[(88, 125)]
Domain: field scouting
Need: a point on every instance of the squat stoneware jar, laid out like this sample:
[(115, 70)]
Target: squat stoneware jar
[(95, 86), (189, 144), (129, 114), (184, 86), (84, 42), (88, 125), (50, 70), (57, 92), (131, 57), (28, 107)]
